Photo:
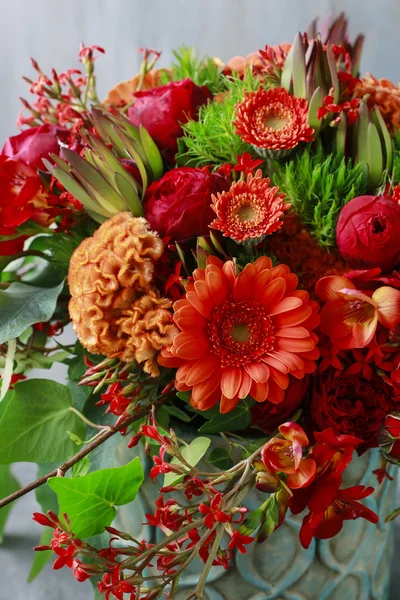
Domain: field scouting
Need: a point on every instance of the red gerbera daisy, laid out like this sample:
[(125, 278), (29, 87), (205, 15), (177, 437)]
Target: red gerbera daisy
[(249, 209), (273, 119), (241, 334)]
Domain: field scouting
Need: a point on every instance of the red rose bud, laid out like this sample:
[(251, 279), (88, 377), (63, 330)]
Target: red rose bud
[(368, 233), (179, 204), (163, 110), (389, 438), (34, 144)]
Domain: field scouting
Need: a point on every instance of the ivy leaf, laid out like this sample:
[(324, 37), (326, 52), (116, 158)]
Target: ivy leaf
[(220, 458), (81, 468), (22, 305), (236, 419), (34, 419), (90, 500), (9, 485), (192, 453)]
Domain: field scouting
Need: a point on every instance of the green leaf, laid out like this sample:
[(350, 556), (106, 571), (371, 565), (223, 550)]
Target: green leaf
[(23, 305), (236, 419), (34, 419), (254, 519), (41, 559), (90, 500), (220, 458), (178, 413), (9, 485), (192, 453), (152, 152), (81, 468)]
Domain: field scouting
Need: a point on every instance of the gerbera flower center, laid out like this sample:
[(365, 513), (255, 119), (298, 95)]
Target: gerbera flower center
[(246, 212), (274, 121), (241, 332)]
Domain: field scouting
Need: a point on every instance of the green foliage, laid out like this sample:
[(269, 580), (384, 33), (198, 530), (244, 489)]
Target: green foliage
[(23, 305), (34, 419), (192, 453), (9, 485), (318, 186), (220, 458), (41, 559), (90, 500), (235, 420), (201, 70), (212, 139)]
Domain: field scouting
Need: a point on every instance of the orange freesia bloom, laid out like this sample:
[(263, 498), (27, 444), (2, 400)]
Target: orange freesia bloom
[(242, 334), (350, 317)]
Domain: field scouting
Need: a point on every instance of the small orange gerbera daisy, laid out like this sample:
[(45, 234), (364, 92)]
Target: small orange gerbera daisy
[(249, 209), (273, 119), (241, 334)]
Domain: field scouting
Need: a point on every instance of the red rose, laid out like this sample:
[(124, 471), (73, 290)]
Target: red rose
[(22, 197), (34, 144), (268, 416), (179, 204), (163, 110), (368, 233), (351, 405)]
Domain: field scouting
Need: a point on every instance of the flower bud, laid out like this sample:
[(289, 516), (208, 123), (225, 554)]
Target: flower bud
[(267, 482), (389, 438)]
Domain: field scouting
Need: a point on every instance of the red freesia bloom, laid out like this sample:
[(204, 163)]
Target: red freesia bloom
[(286, 456), (343, 506), (240, 542), (273, 119), (241, 334), (350, 317), (246, 163), (163, 110)]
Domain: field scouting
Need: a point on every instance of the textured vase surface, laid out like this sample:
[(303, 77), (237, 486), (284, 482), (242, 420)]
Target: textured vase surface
[(354, 565)]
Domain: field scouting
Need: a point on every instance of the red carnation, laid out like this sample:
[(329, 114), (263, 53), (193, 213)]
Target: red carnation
[(179, 204), (351, 404), (273, 119), (368, 233), (34, 144), (163, 110)]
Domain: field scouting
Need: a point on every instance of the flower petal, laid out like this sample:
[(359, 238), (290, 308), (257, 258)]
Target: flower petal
[(388, 302)]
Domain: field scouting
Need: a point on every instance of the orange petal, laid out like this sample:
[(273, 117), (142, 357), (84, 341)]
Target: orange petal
[(327, 287), (201, 370), (204, 295), (227, 404), (388, 302), (205, 403), (243, 286), (304, 475), (293, 431), (209, 386), (292, 332), (279, 378), (260, 283), (231, 381), (217, 287), (258, 371), (198, 305), (289, 359), (230, 274), (273, 293), (259, 391), (293, 317), (274, 360), (192, 349), (199, 275), (347, 325), (275, 393), (289, 303), (262, 263), (244, 389), (294, 345)]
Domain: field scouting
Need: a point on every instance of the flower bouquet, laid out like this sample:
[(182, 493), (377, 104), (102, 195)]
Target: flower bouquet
[(224, 240)]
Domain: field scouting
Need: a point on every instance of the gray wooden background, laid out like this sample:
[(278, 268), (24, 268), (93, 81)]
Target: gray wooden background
[(50, 31)]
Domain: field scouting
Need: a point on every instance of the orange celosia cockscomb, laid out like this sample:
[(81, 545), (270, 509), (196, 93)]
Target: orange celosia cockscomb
[(114, 308), (385, 95), (241, 334), (251, 208), (122, 93), (350, 317)]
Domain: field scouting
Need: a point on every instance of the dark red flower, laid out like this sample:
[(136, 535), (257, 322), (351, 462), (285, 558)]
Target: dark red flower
[(163, 110), (389, 437), (179, 204), (268, 416), (246, 163), (368, 233), (213, 512), (35, 143), (351, 404), (166, 516)]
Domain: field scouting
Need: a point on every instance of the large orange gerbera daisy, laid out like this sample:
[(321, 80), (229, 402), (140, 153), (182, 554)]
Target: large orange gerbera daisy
[(241, 334), (273, 119)]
